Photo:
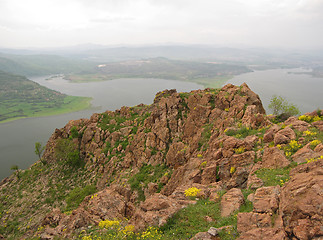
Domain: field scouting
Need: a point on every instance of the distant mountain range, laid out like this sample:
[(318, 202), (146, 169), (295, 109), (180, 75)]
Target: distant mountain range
[(206, 73), (249, 56), (41, 64)]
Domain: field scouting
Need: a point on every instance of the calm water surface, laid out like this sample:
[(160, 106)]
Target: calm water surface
[(17, 138), (298, 88)]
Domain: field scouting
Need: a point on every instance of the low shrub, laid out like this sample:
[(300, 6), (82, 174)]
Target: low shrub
[(77, 195)]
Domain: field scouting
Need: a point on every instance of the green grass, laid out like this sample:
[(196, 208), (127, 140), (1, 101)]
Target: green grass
[(191, 220), (69, 104), (38, 188), (147, 174), (83, 78), (205, 137), (182, 225), (77, 195), (274, 177), (244, 131)]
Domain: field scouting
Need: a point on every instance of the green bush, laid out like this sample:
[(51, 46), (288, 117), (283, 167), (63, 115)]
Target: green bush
[(74, 132), (280, 105), (77, 195), (242, 132), (67, 153), (147, 174), (205, 137)]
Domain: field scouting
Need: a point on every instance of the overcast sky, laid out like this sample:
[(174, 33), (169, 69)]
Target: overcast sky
[(260, 23)]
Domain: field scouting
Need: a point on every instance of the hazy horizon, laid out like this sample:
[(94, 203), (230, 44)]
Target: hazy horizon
[(288, 24)]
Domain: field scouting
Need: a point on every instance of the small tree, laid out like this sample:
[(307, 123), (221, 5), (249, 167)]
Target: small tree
[(16, 169), (280, 105), (39, 150)]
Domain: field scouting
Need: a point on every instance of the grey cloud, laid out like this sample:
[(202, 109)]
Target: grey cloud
[(111, 19), (253, 22)]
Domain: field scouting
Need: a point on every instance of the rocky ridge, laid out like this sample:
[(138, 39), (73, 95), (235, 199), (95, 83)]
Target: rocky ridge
[(142, 160)]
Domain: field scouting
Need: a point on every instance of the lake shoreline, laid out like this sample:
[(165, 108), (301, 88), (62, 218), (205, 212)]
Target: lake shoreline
[(83, 103)]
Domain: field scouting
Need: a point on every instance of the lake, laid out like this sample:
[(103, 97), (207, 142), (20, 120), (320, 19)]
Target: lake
[(17, 138), (301, 89)]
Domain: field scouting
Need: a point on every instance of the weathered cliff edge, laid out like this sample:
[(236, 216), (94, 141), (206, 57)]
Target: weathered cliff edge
[(142, 159)]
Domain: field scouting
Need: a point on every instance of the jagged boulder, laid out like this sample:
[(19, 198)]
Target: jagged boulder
[(252, 118), (184, 175), (297, 124), (284, 136), (251, 220), (301, 202), (231, 201), (270, 133), (155, 211), (306, 153), (266, 199), (264, 234), (318, 124), (274, 158)]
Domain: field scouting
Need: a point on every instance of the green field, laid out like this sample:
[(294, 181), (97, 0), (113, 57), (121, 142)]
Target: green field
[(206, 74), (21, 98)]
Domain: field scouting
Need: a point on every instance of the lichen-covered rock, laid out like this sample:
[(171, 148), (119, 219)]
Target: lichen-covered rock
[(155, 211), (270, 133), (319, 125), (284, 136), (176, 155), (266, 199), (297, 124), (254, 182), (184, 175), (248, 221), (203, 236), (274, 158), (105, 205), (301, 201), (252, 118), (264, 234), (231, 201), (306, 153), (239, 177), (209, 174)]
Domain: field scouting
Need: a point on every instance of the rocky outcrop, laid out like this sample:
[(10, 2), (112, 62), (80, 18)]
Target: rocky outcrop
[(291, 212), (104, 205)]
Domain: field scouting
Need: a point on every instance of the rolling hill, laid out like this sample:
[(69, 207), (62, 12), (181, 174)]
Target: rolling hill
[(20, 97)]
